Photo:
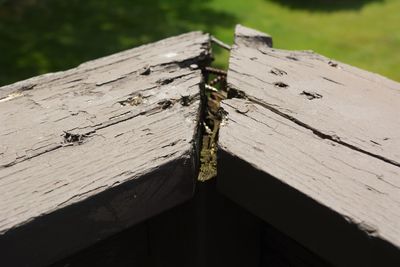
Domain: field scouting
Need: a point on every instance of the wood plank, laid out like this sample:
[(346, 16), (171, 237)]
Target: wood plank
[(90, 151), (352, 106), (306, 166)]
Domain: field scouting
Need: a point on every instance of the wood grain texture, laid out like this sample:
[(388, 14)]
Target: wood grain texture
[(300, 156), (98, 148), (355, 107)]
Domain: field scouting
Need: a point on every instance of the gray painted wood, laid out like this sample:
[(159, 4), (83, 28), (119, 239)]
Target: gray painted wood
[(313, 149), (90, 151), (341, 102)]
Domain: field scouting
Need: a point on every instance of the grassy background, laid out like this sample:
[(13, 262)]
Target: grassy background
[(39, 36)]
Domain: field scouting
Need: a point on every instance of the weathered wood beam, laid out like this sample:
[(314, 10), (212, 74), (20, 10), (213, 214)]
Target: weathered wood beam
[(90, 151), (313, 149)]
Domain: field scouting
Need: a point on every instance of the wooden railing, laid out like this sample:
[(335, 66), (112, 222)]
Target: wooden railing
[(308, 145)]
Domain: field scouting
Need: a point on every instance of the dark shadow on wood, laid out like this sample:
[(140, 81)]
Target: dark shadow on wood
[(316, 227), (66, 231), (207, 231)]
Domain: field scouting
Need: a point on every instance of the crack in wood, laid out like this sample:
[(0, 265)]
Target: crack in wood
[(25, 158), (331, 137), (73, 138)]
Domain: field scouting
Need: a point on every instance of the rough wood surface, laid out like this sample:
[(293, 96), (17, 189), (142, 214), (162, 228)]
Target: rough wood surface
[(90, 151), (314, 150), (354, 107)]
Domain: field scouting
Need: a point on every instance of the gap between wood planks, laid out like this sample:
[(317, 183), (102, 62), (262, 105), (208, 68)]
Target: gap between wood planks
[(215, 90)]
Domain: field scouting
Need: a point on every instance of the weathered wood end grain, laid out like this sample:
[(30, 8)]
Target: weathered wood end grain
[(251, 38), (88, 152), (314, 149)]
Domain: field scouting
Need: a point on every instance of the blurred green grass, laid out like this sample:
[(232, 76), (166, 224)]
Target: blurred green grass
[(39, 36)]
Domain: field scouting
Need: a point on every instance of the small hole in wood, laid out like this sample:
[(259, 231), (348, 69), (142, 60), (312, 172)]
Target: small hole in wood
[(281, 85), (278, 72), (333, 64), (292, 58), (165, 104), (73, 138), (311, 95)]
